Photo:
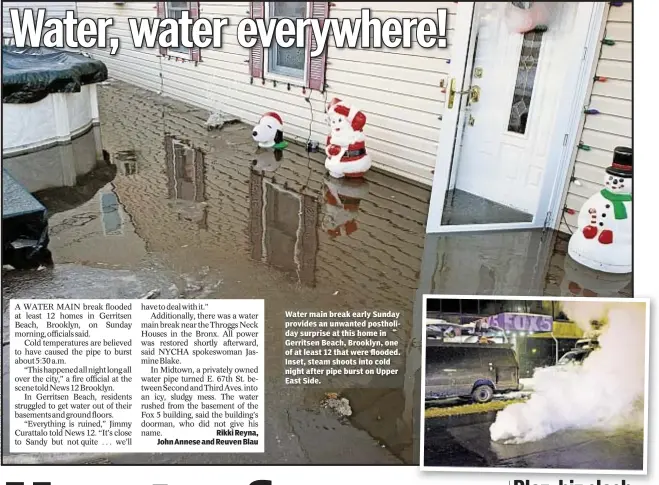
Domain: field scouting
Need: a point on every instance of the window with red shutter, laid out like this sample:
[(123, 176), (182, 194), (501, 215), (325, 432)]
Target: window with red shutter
[(289, 64), (174, 10)]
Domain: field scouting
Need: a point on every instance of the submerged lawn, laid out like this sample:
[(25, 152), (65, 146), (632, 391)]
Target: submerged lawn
[(470, 408)]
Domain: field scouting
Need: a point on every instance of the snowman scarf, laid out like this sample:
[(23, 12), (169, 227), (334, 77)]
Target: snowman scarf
[(619, 210)]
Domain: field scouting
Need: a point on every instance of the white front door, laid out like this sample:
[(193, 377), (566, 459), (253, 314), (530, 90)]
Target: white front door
[(512, 115)]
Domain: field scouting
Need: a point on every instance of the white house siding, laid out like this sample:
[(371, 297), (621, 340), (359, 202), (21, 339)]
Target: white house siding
[(613, 99), (399, 90), (53, 10)]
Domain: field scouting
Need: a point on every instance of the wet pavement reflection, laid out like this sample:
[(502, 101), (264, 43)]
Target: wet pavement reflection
[(197, 214), (465, 442)]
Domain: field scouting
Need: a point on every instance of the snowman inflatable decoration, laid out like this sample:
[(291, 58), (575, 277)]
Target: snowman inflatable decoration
[(346, 144), (603, 240)]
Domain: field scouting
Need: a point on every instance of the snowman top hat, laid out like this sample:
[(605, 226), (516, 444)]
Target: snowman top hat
[(622, 162)]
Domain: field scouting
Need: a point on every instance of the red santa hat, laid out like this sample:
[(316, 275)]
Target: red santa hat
[(356, 118), (275, 117)]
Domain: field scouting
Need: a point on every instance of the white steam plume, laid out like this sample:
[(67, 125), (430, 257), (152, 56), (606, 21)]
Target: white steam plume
[(606, 392)]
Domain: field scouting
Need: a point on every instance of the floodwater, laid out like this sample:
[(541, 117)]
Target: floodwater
[(190, 213)]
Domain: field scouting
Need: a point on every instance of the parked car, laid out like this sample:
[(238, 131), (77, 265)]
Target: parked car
[(587, 343), (575, 356), (473, 371)]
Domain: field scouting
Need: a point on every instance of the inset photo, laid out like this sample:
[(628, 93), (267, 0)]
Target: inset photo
[(535, 384)]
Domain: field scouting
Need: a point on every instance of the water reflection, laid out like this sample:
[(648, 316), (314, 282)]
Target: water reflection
[(111, 214), (185, 170), (126, 162), (186, 186), (61, 199), (578, 280), (267, 160), (342, 199), (283, 228)]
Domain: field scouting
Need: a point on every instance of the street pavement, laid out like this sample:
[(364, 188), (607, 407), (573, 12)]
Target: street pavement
[(465, 442)]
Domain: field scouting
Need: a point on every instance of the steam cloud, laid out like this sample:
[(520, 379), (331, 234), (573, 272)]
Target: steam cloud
[(606, 392)]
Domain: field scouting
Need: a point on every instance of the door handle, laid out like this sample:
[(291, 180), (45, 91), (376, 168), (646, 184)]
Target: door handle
[(451, 93), (474, 93)]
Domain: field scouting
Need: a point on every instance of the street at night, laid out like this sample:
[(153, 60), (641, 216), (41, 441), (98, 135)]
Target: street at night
[(534, 384), (464, 441)]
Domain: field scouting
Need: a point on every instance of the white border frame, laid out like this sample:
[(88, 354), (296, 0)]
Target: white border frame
[(555, 471), (555, 180)]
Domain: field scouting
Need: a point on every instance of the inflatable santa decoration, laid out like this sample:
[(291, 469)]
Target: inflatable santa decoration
[(603, 240), (523, 17), (346, 144), (342, 198)]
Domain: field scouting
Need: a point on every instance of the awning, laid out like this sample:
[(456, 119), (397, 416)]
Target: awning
[(561, 330)]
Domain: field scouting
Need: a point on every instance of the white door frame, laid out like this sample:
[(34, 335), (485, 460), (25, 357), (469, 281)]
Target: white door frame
[(588, 24)]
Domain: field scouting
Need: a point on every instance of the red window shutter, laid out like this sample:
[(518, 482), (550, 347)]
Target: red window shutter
[(257, 11), (195, 52), (316, 65), (161, 13)]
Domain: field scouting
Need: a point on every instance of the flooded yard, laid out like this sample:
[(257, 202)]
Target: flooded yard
[(191, 213)]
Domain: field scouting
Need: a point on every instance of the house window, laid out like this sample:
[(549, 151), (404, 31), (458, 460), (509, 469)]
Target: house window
[(291, 65), (175, 11), (287, 61)]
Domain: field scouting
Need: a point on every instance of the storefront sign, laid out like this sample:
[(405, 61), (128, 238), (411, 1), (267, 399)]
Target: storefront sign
[(521, 322)]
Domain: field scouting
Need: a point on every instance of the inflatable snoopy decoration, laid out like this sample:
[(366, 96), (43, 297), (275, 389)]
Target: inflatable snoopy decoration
[(269, 134)]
